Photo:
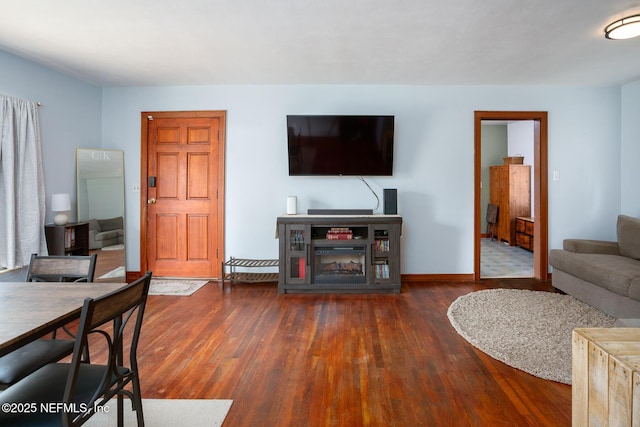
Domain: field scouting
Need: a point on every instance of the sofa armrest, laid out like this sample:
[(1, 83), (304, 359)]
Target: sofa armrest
[(93, 242), (591, 246)]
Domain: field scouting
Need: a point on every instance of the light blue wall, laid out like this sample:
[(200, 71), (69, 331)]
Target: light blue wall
[(631, 149), (433, 164), (70, 117), (434, 154)]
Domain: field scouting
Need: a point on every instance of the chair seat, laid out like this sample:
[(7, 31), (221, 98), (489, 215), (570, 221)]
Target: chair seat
[(31, 357), (46, 385)]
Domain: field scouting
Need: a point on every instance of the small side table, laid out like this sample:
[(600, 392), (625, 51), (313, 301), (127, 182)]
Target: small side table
[(69, 239)]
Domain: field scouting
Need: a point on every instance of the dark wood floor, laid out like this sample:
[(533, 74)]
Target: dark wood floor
[(338, 360), (106, 262)]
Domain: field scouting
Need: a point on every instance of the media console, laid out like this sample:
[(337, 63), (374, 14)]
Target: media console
[(339, 253)]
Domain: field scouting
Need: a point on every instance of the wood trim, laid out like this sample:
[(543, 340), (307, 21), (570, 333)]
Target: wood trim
[(477, 177), (541, 230), (219, 191), (132, 275), (406, 278), (220, 194), (144, 133), (416, 278), (541, 197)]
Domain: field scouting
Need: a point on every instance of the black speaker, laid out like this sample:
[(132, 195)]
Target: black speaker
[(390, 201)]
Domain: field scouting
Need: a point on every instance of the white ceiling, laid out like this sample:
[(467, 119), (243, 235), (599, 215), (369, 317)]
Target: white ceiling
[(416, 42)]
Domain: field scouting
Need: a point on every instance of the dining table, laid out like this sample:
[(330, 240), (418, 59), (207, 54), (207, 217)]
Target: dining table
[(31, 310)]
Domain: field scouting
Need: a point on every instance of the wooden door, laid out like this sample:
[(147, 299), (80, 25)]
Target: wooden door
[(183, 174)]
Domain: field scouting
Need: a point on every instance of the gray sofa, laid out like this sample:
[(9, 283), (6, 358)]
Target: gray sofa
[(603, 274), (106, 232)]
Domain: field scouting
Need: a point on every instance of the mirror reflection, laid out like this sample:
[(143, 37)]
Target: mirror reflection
[(100, 199)]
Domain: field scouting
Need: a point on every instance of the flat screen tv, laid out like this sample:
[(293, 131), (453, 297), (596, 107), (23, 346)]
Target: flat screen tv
[(340, 145)]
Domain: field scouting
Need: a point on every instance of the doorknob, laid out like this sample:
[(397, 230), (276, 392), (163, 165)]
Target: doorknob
[(151, 201)]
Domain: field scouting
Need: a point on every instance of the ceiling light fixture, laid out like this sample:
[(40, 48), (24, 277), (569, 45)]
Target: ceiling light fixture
[(625, 28)]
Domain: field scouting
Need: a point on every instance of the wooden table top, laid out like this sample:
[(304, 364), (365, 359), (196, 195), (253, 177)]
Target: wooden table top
[(30, 310)]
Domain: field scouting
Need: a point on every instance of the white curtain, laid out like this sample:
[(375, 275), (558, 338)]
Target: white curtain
[(22, 195)]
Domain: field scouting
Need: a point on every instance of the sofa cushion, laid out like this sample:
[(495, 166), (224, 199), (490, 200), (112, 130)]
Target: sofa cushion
[(111, 223), (591, 246), (612, 272), (628, 230)]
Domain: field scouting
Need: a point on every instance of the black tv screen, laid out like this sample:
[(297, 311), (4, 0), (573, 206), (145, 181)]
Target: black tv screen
[(340, 145)]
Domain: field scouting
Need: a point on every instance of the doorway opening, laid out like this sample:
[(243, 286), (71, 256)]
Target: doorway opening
[(539, 194)]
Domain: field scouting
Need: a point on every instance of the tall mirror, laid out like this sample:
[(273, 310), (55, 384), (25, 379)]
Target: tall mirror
[(100, 198)]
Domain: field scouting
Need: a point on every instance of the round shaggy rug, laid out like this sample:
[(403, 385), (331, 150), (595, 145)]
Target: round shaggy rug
[(528, 330)]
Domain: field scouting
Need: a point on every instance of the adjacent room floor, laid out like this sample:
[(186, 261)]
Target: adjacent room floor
[(499, 260)]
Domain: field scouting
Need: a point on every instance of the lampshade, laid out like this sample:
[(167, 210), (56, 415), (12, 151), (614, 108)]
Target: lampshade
[(625, 28), (60, 202)]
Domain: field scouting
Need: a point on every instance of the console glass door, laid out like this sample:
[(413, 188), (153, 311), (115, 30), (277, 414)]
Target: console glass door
[(297, 254)]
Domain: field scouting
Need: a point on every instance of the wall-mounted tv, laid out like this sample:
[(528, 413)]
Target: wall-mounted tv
[(340, 145)]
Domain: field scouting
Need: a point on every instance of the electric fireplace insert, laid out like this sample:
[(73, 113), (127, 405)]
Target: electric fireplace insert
[(339, 264)]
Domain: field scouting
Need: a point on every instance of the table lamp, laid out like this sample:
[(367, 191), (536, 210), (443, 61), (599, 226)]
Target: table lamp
[(60, 203)]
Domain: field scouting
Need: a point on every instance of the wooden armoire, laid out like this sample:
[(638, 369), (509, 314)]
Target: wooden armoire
[(511, 191)]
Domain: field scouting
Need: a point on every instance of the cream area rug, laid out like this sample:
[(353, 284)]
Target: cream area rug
[(166, 413), (116, 272), (175, 287), (118, 247), (527, 330)]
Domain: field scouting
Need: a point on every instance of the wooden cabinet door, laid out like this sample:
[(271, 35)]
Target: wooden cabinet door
[(296, 266), (511, 191), (499, 195)]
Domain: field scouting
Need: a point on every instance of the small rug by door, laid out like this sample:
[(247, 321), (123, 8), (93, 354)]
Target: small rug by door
[(527, 330), (175, 287), (167, 413)]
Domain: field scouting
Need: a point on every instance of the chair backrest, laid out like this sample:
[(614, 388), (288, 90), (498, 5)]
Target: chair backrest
[(60, 268), (492, 213), (123, 307)]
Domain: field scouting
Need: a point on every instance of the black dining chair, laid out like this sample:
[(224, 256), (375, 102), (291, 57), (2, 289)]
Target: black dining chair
[(61, 268), (36, 354), (76, 388)]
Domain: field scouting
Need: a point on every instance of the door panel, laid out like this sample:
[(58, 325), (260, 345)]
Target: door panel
[(197, 225), (184, 218), (166, 226), (199, 176), (167, 174)]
